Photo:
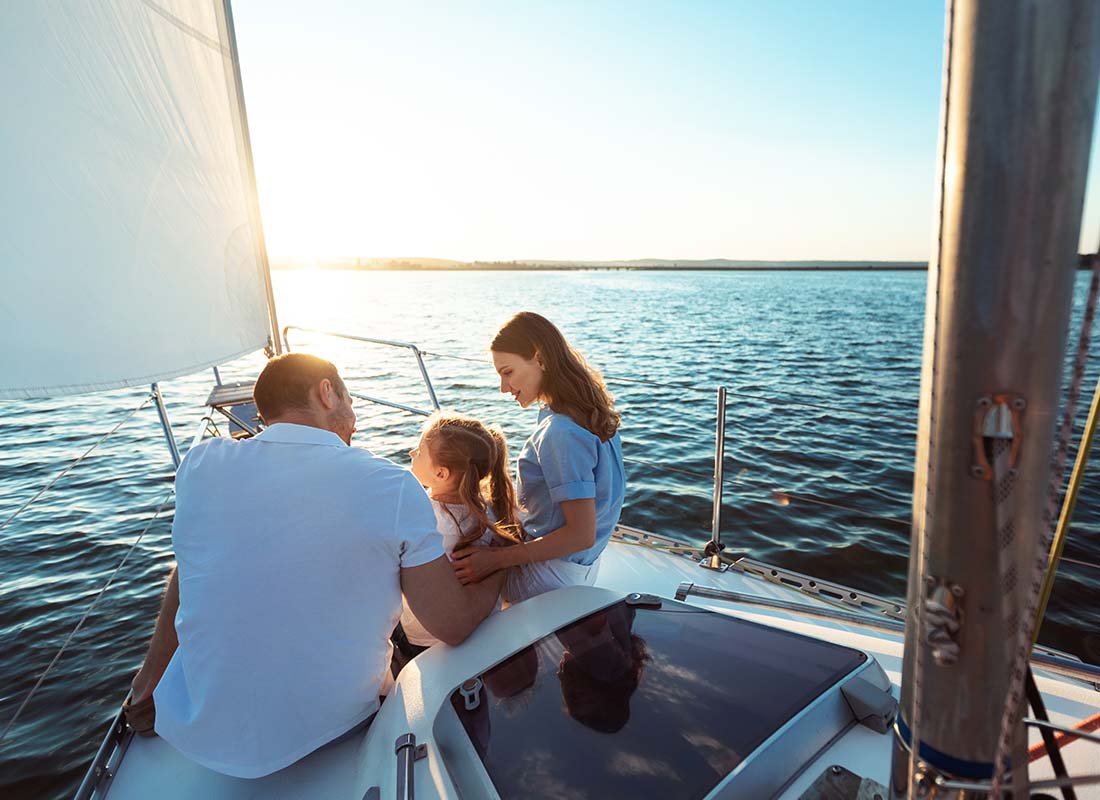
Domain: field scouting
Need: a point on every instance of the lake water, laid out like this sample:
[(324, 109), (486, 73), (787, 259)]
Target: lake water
[(822, 370)]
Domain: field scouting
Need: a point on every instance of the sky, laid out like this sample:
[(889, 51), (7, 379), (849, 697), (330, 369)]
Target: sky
[(588, 130)]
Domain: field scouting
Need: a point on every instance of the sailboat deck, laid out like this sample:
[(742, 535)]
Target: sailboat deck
[(367, 762)]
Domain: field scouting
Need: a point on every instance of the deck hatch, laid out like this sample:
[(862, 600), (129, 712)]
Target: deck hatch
[(640, 701)]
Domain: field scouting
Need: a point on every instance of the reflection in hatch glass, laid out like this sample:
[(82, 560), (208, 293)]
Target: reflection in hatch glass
[(641, 702)]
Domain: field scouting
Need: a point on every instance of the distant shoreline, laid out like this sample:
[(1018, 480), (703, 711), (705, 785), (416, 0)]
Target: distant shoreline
[(641, 265), (565, 268)]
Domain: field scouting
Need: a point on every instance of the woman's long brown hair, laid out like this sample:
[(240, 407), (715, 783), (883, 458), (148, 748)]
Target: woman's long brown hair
[(569, 384), (479, 454)]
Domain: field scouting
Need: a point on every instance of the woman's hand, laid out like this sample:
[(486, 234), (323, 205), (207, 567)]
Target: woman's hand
[(475, 562)]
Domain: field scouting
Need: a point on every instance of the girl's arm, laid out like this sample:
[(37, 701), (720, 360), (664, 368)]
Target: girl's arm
[(474, 563)]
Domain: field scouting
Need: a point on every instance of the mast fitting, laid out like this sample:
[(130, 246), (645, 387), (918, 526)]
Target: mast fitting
[(996, 417), (943, 620)]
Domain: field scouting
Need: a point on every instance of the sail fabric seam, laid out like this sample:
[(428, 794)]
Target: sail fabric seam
[(87, 613), (1025, 629), (38, 392), (73, 465), (190, 30)]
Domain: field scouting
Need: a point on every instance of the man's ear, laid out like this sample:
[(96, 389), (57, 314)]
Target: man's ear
[(327, 394)]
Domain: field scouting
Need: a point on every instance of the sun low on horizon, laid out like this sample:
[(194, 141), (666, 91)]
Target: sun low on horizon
[(596, 131)]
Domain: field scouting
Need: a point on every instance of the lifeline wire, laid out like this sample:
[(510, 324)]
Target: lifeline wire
[(80, 624), (687, 388), (71, 466)]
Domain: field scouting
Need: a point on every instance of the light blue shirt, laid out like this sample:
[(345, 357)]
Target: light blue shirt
[(563, 461)]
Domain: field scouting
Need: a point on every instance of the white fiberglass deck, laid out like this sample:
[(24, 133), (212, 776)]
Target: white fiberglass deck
[(151, 768)]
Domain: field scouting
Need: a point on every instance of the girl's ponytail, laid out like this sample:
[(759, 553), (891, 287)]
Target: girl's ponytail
[(502, 496), (469, 490)]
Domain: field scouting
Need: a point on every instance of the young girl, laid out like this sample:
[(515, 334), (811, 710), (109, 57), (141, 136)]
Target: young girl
[(570, 472), (464, 466)]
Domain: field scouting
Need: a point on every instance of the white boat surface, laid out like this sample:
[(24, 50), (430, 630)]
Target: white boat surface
[(450, 768), (724, 680)]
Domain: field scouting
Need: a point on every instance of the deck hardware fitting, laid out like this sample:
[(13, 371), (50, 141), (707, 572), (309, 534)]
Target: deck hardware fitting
[(944, 619), (407, 752), (471, 693), (638, 600), (995, 417), (839, 783), (873, 707)]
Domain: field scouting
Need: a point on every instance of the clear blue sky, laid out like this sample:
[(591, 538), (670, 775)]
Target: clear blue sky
[(595, 130)]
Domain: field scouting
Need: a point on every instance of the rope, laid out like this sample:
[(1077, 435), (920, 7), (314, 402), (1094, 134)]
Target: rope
[(1028, 622), (87, 613), (73, 465), (1004, 512)]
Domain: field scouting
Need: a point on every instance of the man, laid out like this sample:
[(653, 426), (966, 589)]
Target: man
[(293, 549)]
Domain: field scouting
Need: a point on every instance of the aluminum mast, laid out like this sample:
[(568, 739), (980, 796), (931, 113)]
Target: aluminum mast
[(1020, 84)]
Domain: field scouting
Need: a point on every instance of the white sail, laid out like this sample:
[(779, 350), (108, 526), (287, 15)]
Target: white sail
[(130, 241)]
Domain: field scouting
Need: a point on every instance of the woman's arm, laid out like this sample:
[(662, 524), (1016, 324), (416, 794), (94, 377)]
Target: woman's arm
[(474, 563)]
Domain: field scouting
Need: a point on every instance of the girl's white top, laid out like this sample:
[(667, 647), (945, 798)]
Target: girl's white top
[(454, 521)]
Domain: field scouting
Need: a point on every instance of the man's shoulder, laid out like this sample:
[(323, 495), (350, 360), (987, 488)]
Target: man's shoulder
[(359, 458), (213, 446)]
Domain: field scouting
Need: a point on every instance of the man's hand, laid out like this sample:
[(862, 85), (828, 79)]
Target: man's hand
[(474, 563)]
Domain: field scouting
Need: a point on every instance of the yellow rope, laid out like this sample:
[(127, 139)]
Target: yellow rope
[(1068, 505)]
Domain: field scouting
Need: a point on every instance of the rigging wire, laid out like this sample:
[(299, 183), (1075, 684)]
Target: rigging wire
[(1080, 563), (73, 465), (778, 494), (688, 387), (84, 617)]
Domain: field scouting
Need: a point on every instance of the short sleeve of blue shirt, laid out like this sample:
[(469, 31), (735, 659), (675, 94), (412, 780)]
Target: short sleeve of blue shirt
[(563, 461), (568, 456)]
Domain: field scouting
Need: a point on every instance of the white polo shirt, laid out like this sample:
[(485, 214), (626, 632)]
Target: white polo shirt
[(289, 548)]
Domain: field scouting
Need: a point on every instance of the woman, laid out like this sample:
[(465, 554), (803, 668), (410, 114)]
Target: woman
[(570, 472)]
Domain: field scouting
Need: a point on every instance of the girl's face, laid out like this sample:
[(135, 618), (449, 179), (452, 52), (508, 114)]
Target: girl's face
[(521, 377), (430, 474)]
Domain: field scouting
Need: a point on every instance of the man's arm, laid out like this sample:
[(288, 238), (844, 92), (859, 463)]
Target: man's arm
[(448, 611), (162, 647)]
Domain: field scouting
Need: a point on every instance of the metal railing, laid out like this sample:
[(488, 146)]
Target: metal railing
[(417, 353), (713, 552), (715, 546)]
